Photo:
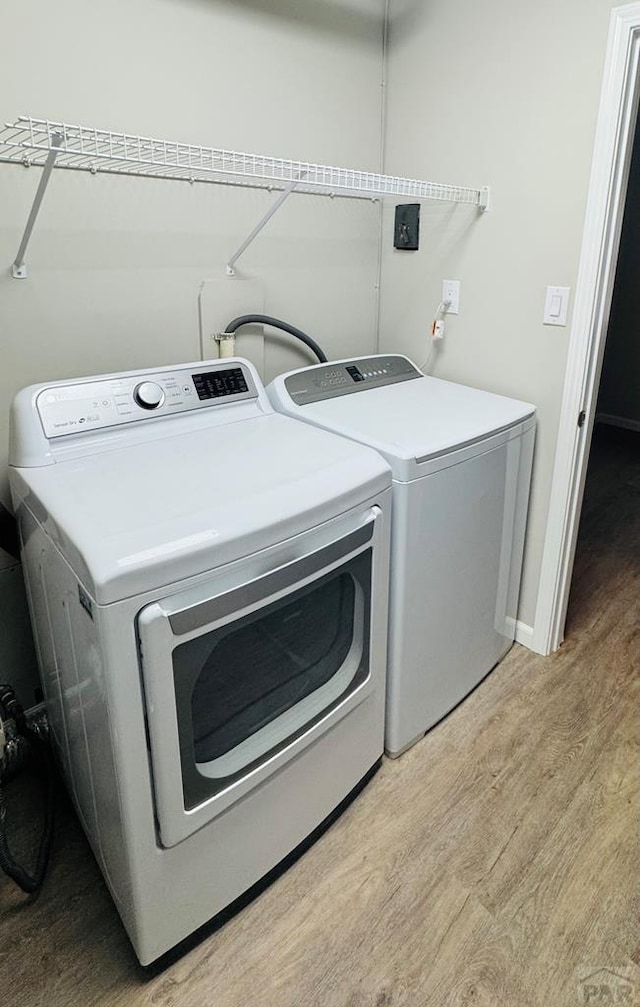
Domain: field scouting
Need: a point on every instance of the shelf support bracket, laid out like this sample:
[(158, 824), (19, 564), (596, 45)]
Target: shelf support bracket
[(19, 269), (262, 223)]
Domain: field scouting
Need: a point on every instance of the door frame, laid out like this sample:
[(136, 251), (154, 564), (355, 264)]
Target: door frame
[(596, 274)]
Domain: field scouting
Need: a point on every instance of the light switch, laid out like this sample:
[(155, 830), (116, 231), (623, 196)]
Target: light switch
[(556, 305)]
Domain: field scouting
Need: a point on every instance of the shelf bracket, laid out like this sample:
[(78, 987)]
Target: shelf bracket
[(19, 269), (262, 223)]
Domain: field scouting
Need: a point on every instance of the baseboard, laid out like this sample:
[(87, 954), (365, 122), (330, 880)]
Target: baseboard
[(618, 421), (524, 634)]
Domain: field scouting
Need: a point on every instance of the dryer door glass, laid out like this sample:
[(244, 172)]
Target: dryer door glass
[(251, 686), (267, 664)]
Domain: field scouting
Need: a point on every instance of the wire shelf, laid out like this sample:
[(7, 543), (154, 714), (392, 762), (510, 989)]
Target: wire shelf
[(31, 141)]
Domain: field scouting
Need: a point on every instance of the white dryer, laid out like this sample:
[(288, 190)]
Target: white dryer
[(461, 461), (208, 586)]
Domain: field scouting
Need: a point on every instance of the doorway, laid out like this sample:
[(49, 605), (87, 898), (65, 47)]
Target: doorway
[(608, 546), (619, 391), (603, 224)]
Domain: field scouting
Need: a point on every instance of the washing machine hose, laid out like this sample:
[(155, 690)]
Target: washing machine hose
[(277, 323), (26, 748)]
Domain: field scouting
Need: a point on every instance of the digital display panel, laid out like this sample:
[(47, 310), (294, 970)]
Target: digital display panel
[(215, 384), (355, 373)]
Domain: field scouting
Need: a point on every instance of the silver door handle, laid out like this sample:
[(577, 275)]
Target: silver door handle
[(190, 619)]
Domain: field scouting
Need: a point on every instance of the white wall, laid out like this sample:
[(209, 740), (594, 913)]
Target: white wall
[(116, 264), (504, 93)]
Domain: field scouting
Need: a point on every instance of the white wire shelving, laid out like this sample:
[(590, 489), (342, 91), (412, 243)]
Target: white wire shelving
[(49, 144)]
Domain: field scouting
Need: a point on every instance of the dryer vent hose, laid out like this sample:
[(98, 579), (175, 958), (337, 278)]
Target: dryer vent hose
[(24, 747), (277, 323)]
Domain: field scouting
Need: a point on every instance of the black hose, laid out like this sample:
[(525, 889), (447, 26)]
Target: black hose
[(277, 323), (40, 761), (30, 883)]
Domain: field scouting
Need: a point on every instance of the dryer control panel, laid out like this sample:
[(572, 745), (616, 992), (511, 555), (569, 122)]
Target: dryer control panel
[(74, 407), (313, 384)]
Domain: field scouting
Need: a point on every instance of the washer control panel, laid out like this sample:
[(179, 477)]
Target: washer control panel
[(75, 407), (332, 380)]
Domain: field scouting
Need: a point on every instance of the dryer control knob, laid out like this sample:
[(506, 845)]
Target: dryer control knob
[(148, 394)]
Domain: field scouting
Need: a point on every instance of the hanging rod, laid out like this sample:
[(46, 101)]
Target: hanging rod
[(46, 143)]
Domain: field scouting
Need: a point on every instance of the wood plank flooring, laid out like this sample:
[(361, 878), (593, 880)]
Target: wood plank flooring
[(496, 863)]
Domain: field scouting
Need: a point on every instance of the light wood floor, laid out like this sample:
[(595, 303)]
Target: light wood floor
[(496, 863)]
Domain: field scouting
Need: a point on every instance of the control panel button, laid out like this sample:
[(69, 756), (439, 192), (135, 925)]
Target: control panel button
[(148, 394)]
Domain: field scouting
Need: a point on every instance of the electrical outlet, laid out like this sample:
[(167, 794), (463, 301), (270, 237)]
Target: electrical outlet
[(451, 293)]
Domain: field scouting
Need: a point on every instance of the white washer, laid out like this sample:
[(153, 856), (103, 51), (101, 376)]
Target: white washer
[(208, 584), (461, 462)]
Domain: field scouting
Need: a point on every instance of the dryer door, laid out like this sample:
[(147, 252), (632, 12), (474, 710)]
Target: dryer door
[(243, 673)]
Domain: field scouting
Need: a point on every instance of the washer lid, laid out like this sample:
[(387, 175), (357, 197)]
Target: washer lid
[(137, 518), (413, 423)]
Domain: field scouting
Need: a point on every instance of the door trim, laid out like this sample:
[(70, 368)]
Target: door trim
[(596, 274)]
